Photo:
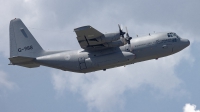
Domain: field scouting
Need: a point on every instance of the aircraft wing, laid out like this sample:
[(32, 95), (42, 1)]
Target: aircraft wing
[(88, 38)]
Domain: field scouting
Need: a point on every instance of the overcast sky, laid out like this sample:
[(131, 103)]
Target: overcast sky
[(170, 84)]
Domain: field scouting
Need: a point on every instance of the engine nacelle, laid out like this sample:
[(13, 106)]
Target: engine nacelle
[(114, 43), (109, 40), (109, 37), (106, 38)]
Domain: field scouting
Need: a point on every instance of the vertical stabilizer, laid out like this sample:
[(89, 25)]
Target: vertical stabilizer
[(22, 42)]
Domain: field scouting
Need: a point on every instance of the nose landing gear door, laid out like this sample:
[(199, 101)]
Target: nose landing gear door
[(82, 63)]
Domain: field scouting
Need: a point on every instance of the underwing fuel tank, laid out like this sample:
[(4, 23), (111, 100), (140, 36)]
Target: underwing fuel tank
[(109, 59)]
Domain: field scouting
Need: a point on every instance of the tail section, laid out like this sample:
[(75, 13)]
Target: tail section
[(23, 46), (22, 42)]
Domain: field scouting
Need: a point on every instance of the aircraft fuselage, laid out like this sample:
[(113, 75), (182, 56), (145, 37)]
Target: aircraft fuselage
[(144, 48), (99, 51)]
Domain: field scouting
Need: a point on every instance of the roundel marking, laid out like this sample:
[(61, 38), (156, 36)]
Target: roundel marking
[(67, 57)]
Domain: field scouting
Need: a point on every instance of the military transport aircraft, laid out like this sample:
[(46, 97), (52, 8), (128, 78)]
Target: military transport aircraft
[(99, 51)]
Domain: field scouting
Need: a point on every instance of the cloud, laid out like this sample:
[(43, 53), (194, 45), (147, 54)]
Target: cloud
[(190, 108), (25, 9), (4, 82), (49, 15), (105, 90)]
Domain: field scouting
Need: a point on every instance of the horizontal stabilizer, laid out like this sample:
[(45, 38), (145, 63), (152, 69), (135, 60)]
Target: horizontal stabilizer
[(24, 61)]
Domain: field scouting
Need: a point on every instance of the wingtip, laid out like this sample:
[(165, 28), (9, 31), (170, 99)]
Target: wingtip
[(82, 28)]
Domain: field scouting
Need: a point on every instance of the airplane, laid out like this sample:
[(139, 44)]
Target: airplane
[(99, 51)]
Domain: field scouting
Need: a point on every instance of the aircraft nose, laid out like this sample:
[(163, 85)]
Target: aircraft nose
[(186, 42)]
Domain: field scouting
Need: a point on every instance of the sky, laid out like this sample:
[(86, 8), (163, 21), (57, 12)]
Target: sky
[(169, 84)]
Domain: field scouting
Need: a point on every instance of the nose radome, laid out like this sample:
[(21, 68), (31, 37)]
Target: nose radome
[(186, 42)]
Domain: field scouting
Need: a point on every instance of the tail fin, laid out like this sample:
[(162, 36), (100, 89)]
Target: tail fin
[(22, 42)]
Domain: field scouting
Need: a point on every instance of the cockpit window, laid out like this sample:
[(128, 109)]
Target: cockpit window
[(176, 36), (173, 35), (170, 34)]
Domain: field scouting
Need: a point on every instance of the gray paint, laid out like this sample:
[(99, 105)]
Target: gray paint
[(21, 40), (83, 61)]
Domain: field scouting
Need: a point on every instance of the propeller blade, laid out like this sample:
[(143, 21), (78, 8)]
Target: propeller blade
[(127, 32), (129, 45), (121, 30), (128, 39), (119, 27)]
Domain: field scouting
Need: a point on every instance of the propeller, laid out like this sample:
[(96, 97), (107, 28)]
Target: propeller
[(121, 30), (128, 39)]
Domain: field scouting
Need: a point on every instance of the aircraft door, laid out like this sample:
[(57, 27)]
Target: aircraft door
[(82, 63)]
